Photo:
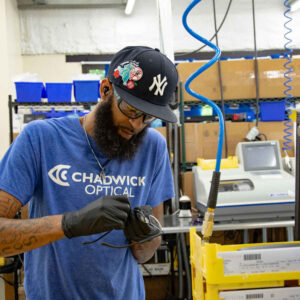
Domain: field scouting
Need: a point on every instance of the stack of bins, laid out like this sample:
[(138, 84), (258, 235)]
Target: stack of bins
[(231, 272)]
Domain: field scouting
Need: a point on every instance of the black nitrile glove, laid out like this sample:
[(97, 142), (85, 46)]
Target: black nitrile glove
[(104, 214), (141, 224)]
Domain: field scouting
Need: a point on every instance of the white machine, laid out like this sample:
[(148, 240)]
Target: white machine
[(258, 189)]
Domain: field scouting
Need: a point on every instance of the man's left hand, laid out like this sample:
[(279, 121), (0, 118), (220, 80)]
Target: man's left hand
[(141, 224)]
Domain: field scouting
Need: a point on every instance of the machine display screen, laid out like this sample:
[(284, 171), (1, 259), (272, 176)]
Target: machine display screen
[(261, 157)]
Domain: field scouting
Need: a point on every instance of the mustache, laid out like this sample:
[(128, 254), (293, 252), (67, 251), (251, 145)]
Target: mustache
[(129, 130), (107, 138)]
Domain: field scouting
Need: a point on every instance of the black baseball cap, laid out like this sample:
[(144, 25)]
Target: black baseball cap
[(146, 79)]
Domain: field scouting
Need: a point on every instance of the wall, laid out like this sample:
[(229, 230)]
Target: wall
[(51, 68), (107, 30), (47, 35), (10, 62), (88, 30)]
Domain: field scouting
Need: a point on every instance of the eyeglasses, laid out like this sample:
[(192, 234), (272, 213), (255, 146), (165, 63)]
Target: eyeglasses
[(131, 112)]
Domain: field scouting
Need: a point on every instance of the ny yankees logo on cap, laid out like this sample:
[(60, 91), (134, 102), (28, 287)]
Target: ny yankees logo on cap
[(160, 85)]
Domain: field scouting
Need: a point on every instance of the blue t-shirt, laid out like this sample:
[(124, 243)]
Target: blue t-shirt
[(51, 164)]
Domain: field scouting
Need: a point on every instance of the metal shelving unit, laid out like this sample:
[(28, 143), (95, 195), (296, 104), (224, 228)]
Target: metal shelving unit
[(13, 107), (239, 101)]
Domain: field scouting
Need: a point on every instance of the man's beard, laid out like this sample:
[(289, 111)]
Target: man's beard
[(107, 138)]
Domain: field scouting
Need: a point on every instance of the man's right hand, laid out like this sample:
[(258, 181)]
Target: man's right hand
[(104, 214)]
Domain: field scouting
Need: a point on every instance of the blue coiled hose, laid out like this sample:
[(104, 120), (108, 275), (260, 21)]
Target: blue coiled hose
[(288, 104), (213, 194), (198, 72)]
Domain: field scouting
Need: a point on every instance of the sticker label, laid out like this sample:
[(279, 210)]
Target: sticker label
[(261, 261), (265, 294)]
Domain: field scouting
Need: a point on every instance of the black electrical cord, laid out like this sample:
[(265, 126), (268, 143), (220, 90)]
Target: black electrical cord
[(220, 82), (185, 259), (262, 134), (217, 31), (99, 238), (149, 238), (255, 64)]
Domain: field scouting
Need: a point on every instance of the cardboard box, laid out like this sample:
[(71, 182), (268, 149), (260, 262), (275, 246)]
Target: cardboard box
[(188, 186), (201, 139), (238, 77), (192, 142)]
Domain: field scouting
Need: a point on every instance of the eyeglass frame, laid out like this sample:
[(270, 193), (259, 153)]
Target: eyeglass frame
[(137, 115)]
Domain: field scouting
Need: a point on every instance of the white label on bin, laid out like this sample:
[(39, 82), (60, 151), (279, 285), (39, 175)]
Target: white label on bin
[(265, 294), (261, 261)]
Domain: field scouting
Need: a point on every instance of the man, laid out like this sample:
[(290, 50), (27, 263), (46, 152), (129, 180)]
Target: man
[(85, 176)]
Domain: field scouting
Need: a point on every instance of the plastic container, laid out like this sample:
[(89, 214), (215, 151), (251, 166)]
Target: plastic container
[(194, 110), (86, 90), (239, 112), (275, 56), (156, 123), (226, 163), (272, 111), (29, 91), (59, 92), (211, 271)]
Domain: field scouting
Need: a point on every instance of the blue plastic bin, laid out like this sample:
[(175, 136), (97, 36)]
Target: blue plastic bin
[(29, 91), (86, 91), (244, 110), (156, 123), (59, 92), (194, 110), (272, 111)]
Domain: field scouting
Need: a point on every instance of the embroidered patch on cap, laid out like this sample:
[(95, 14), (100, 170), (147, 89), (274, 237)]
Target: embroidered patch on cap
[(130, 73)]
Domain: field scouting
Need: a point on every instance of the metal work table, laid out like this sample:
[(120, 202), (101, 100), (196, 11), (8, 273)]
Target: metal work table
[(174, 224)]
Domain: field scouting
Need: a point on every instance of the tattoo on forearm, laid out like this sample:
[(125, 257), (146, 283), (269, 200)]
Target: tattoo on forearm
[(31, 240), (9, 205), (17, 235), (20, 235)]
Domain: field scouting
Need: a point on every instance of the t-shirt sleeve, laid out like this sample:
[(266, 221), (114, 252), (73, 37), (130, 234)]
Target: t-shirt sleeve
[(162, 187), (19, 168)]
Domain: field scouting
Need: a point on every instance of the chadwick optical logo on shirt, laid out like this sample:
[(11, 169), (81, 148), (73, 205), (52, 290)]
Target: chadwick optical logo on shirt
[(94, 184)]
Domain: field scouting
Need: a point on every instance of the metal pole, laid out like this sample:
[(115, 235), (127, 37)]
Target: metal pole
[(180, 267), (255, 64), (221, 82), (182, 127), (10, 111), (16, 284), (297, 186), (176, 166)]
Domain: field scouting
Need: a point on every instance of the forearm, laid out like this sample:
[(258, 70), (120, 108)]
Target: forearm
[(143, 252), (18, 236)]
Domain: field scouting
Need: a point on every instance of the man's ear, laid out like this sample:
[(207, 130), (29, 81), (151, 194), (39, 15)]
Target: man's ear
[(105, 88)]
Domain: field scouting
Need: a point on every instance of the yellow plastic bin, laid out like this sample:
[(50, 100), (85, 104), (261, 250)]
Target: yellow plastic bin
[(217, 268)]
